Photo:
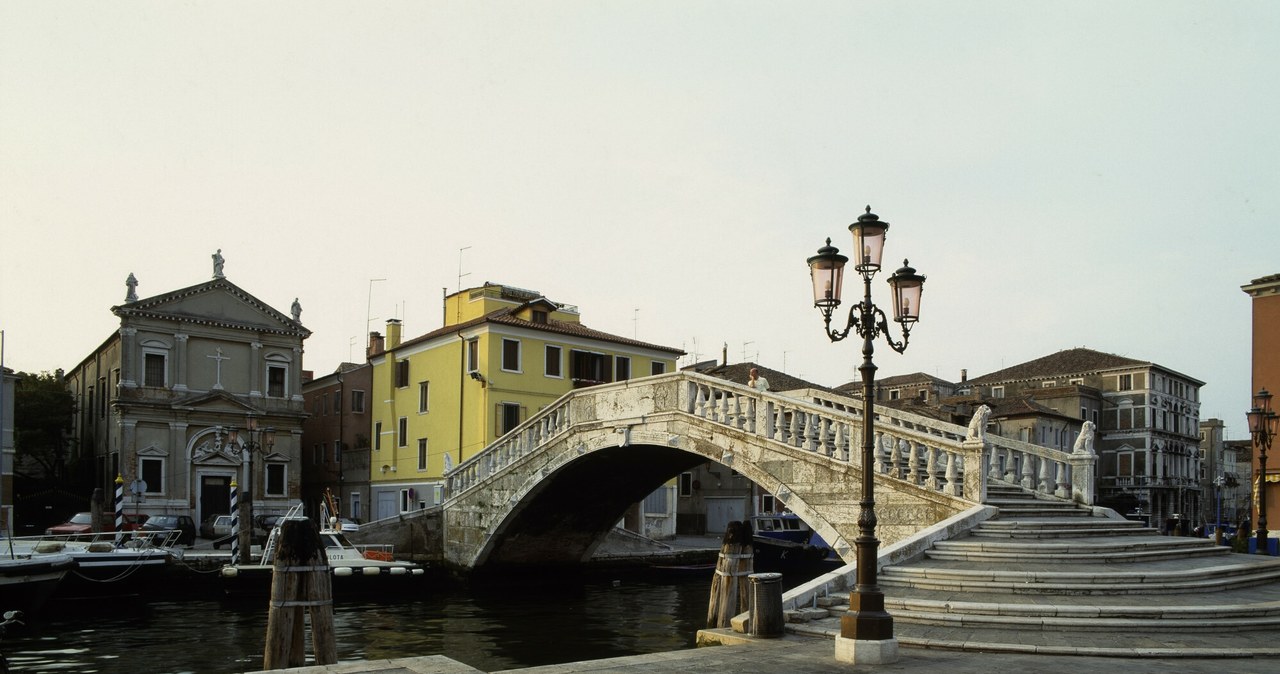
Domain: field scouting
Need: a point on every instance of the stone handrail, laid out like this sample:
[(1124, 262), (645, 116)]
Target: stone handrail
[(1044, 470), (921, 451)]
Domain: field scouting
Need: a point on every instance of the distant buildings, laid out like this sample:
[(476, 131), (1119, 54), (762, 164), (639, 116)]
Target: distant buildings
[(336, 440), (157, 401), (1147, 418), (1265, 292)]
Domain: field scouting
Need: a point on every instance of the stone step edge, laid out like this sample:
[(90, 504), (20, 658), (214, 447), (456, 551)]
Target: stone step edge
[(1242, 652), (1179, 612), (1089, 589), (1122, 545), (1111, 557), (1215, 625), (1099, 577)]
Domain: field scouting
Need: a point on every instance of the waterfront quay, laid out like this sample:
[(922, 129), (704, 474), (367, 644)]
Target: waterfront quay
[(802, 655)]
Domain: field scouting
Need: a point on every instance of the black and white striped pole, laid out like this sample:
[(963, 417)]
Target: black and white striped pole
[(235, 522), (119, 508)]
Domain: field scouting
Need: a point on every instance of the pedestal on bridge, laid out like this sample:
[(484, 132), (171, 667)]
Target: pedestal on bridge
[(866, 651)]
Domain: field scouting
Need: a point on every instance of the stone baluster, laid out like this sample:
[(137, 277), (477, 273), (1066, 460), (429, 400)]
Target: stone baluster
[(829, 429), (895, 456), (1046, 475), (813, 433), (877, 452), (913, 462), (751, 416), (796, 432), (994, 471), (1028, 471), (723, 415), (1010, 466), (738, 420), (953, 487), (931, 469), (770, 421), (1063, 480), (841, 447)]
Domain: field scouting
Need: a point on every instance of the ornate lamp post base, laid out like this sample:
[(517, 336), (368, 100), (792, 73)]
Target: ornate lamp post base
[(866, 652)]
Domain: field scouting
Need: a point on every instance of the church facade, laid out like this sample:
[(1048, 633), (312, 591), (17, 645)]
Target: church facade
[(199, 388)]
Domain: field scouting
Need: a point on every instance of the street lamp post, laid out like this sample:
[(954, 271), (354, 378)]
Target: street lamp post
[(259, 440), (866, 630), (1218, 482), (1262, 426)]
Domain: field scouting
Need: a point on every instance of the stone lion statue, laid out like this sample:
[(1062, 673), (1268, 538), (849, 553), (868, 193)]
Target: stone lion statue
[(978, 425), (1084, 441)]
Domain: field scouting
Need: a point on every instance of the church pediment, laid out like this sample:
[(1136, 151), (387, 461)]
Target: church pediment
[(218, 303), (216, 401)]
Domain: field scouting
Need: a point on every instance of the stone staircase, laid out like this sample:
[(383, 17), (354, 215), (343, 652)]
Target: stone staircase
[(1052, 577)]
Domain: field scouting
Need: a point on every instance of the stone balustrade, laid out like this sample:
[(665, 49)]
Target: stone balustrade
[(924, 452)]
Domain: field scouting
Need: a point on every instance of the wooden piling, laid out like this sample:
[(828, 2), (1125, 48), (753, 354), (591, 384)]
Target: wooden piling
[(300, 585), (730, 592)]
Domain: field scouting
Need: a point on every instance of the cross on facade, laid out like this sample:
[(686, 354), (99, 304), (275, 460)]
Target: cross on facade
[(217, 382)]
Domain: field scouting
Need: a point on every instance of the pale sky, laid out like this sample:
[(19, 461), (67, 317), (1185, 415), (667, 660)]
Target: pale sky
[(1098, 174)]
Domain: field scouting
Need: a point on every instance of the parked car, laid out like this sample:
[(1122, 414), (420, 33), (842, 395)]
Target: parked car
[(181, 523), (216, 527), (347, 524), (82, 523)]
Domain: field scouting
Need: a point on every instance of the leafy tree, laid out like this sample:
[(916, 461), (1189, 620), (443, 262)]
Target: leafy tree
[(43, 414)]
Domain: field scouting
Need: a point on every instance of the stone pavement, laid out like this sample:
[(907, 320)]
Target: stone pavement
[(798, 655)]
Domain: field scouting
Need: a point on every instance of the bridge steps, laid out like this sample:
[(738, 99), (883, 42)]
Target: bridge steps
[(1074, 585)]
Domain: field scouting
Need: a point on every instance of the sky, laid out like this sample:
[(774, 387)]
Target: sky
[(1096, 174)]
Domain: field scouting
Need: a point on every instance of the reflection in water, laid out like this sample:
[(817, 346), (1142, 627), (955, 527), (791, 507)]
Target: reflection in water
[(488, 624)]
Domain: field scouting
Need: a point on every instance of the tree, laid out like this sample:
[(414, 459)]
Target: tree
[(43, 414)]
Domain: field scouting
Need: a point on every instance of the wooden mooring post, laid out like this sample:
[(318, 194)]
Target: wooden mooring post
[(730, 593), (300, 585)]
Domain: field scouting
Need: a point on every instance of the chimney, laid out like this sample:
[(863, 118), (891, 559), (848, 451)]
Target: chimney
[(375, 345), (393, 333), (724, 354), (964, 375)]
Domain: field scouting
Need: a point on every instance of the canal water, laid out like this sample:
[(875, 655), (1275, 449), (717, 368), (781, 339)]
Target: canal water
[(490, 624)]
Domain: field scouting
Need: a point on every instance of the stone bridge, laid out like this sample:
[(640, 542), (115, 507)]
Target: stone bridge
[(549, 491)]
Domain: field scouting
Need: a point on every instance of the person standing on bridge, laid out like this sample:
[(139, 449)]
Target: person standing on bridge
[(757, 382)]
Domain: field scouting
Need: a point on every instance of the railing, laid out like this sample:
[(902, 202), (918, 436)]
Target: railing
[(521, 441), (923, 452), (928, 453)]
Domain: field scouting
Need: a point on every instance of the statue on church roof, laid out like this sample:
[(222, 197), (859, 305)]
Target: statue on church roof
[(296, 309), (132, 283), (217, 264)]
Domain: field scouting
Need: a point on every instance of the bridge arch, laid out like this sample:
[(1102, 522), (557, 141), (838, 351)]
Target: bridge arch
[(549, 491)]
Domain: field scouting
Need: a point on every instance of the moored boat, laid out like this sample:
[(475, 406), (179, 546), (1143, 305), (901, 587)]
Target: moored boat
[(354, 569), (102, 564), (783, 540), (25, 583)]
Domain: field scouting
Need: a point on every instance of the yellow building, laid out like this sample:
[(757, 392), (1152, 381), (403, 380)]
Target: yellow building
[(503, 354)]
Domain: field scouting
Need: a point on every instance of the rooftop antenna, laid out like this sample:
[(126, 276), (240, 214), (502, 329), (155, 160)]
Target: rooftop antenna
[(368, 314), (744, 350), (635, 324), (460, 274)]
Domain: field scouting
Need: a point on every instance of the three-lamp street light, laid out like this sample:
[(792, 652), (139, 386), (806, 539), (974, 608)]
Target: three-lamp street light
[(866, 630), (257, 440), (1262, 426)]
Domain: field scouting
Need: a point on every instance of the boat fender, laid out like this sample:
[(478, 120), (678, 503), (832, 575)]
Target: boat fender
[(342, 571), (371, 571), (230, 572), (397, 570)]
